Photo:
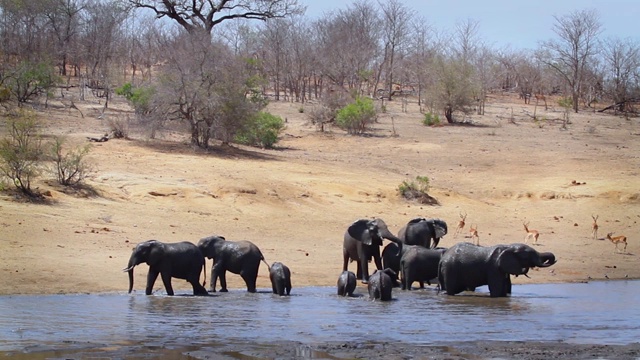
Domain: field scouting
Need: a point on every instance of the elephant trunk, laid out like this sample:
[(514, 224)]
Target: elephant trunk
[(132, 263), (546, 259)]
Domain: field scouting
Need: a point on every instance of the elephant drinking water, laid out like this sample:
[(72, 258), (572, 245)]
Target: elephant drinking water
[(466, 266)]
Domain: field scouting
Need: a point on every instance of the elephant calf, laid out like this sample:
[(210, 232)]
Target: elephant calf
[(346, 283), (182, 260), (381, 284), (419, 264), (280, 276)]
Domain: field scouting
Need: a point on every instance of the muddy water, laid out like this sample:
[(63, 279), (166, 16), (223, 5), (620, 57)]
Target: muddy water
[(584, 313)]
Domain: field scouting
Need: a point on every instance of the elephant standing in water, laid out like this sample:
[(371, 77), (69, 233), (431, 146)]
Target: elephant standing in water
[(381, 284), (346, 283), (362, 241), (181, 260), (420, 232), (238, 257), (466, 266), (419, 264), (280, 277)]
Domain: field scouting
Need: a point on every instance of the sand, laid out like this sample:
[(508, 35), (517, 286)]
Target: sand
[(296, 201)]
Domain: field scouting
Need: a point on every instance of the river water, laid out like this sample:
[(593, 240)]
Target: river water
[(579, 313)]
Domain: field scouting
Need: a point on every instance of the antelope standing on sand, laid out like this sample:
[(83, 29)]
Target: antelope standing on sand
[(594, 227), (617, 240), (474, 233), (530, 233), (461, 224)]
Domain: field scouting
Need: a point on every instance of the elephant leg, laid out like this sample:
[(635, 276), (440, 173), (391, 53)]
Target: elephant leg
[(214, 279), (250, 280), (223, 281), (152, 275), (345, 259), (421, 284), (166, 280), (497, 286)]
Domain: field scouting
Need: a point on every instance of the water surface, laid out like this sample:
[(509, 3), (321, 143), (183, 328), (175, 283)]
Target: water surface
[(582, 313)]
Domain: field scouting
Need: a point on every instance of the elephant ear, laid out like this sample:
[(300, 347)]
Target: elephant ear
[(359, 230), (156, 252), (508, 263)]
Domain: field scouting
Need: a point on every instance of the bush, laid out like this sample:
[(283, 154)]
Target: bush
[(417, 190), (31, 80), (356, 117), (431, 119), (21, 152), (70, 168), (262, 130), (140, 97)]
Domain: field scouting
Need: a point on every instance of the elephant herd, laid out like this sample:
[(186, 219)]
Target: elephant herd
[(413, 254)]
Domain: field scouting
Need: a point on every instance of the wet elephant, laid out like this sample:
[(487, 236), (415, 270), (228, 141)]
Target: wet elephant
[(280, 277), (419, 264), (362, 242), (182, 260), (346, 283), (239, 257), (381, 284), (466, 266), (423, 232)]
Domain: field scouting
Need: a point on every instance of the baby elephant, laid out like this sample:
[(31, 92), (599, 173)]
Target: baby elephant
[(346, 283), (381, 283), (280, 278), (419, 264)]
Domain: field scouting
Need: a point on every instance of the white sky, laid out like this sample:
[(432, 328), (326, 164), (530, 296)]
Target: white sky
[(520, 24)]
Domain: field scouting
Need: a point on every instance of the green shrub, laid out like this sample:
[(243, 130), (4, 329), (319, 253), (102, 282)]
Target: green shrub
[(431, 119), (21, 152), (140, 97), (417, 190), (356, 117), (31, 79), (70, 167), (262, 130)]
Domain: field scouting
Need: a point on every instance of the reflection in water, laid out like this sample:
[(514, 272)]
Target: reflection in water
[(576, 313)]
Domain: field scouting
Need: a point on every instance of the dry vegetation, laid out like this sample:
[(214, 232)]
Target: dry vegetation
[(296, 201)]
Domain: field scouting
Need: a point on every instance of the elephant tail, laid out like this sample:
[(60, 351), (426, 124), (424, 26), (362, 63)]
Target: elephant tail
[(204, 270), (265, 262)]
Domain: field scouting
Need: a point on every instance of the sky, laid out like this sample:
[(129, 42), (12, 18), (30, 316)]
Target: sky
[(518, 24)]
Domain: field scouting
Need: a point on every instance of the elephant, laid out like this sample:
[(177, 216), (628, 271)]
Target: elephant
[(182, 260), (419, 264), (280, 276), (466, 266), (238, 257), (346, 283), (362, 241), (421, 231), (381, 284), (391, 255)]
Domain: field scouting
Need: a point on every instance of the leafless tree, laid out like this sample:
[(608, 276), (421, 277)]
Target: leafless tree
[(396, 19), (204, 86), (621, 59), (570, 55), (65, 18), (203, 16)]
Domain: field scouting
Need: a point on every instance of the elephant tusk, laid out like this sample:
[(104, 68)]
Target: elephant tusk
[(128, 269)]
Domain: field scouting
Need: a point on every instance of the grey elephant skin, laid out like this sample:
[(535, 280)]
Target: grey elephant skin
[(182, 260), (420, 232), (423, 232), (381, 284), (280, 276), (239, 257), (419, 264), (346, 283), (466, 266), (362, 242)]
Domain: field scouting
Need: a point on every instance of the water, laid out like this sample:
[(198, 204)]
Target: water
[(581, 313)]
